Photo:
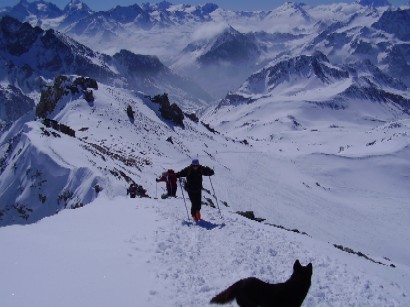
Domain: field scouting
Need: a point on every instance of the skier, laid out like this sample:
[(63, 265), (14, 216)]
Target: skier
[(193, 174), (171, 183)]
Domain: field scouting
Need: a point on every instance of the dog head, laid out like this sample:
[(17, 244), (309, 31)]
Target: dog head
[(301, 270)]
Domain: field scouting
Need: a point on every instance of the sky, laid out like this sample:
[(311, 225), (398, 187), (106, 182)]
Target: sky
[(98, 5)]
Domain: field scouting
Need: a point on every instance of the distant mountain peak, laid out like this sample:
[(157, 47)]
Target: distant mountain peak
[(41, 9), (229, 31), (230, 46), (75, 5), (293, 8), (292, 71)]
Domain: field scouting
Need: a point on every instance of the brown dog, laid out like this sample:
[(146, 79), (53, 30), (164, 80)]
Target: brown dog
[(253, 292)]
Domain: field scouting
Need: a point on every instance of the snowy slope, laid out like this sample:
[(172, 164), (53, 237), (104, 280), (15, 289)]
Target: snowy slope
[(317, 158), (331, 173), (44, 171), (333, 182), (307, 143), (144, 252)]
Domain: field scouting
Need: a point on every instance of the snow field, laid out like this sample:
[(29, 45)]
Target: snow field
[(145, 252)]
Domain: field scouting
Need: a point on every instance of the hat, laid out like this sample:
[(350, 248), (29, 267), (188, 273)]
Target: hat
[(195, 162)]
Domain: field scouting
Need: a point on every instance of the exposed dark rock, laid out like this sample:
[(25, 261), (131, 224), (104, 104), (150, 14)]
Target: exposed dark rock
[(50, 123), (63, 86), (192, 116), (209, 128), (169, 111), (88, 95), (250, 215)]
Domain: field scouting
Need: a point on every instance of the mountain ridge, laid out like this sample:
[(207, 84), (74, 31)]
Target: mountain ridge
[(45, 54), (344, 33)]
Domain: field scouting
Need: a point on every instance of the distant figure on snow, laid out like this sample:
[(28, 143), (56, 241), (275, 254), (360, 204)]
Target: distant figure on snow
[(193, 174), (170, 179), (135, 190), (132, 190)]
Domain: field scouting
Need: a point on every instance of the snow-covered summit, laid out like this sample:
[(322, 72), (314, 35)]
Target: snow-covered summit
[(230, 46), (74, 11), (292, 10), (37, 9), (295, 77), (285, 74), (74, 5)]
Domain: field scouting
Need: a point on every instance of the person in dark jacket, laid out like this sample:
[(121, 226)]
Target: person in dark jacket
[(193, 174), (171, 183)]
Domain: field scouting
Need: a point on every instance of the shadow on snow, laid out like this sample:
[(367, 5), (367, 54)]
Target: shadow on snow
[(204, 224)]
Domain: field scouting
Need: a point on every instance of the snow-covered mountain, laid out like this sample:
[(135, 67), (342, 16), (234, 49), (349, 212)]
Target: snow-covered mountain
[(312, 87), (46, 168), (33, 11), (145, 16), (321, 186), (74, 11), (230, 46), (312, 139), (301, 73), (30, 56), (221, 62), (185, 37), (30, 53)]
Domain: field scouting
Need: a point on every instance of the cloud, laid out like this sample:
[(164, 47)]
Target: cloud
[(208, 31)]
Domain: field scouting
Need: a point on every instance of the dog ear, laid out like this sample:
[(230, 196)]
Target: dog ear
[(297, 264), (310, 268)]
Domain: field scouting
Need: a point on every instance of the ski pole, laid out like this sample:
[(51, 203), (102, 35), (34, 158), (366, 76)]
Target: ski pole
[(183, 196), (215, 197)]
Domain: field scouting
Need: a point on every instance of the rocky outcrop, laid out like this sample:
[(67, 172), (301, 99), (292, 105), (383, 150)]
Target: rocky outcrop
[(63, 86), (169, 111)]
